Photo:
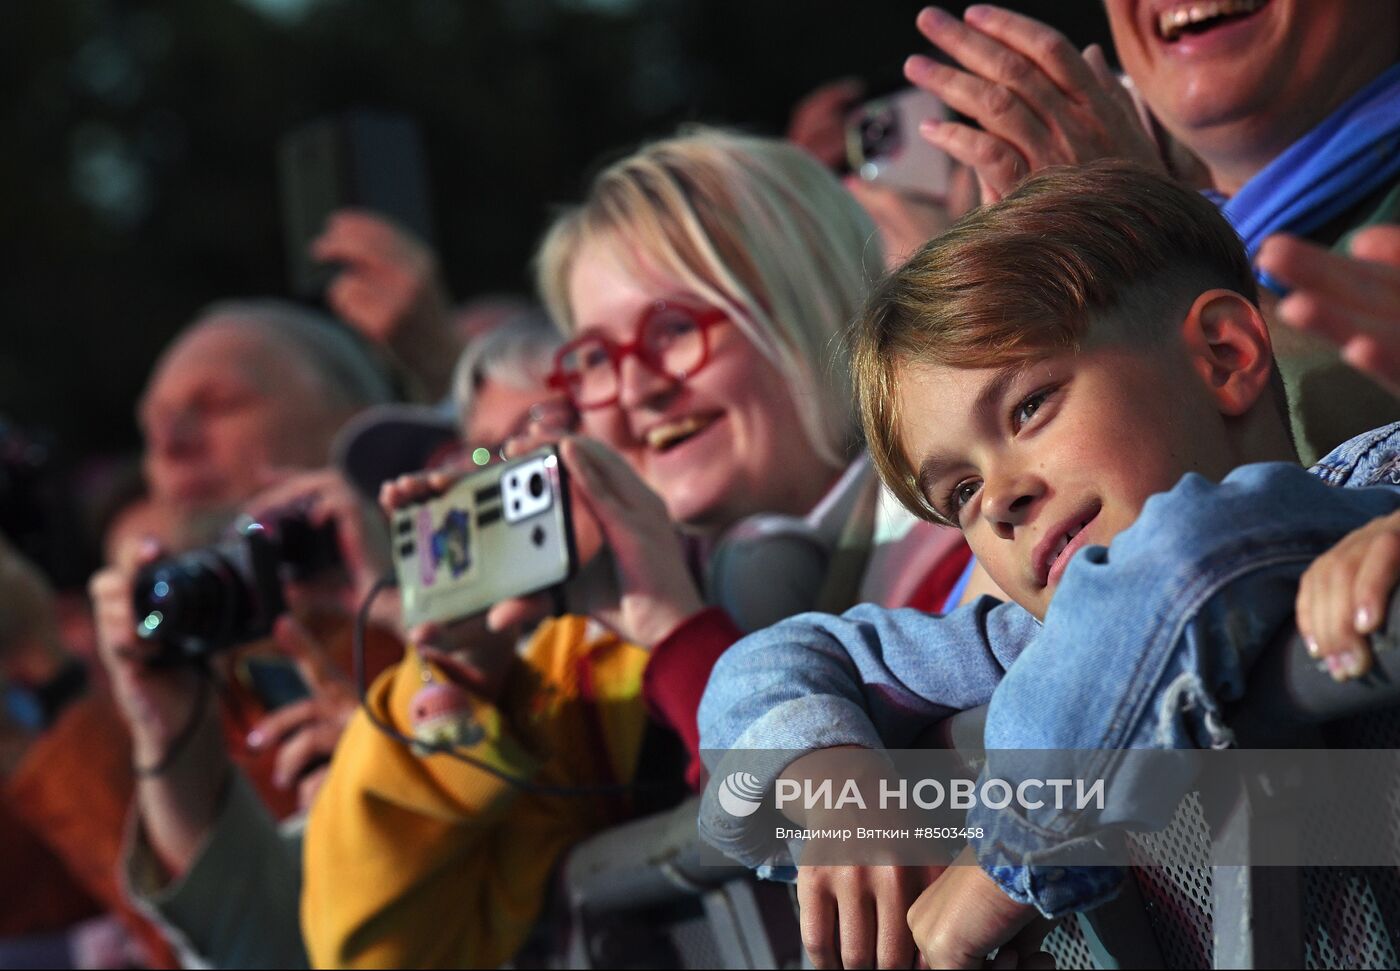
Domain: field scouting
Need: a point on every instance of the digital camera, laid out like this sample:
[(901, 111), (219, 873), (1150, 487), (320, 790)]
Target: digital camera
[(220, 596)]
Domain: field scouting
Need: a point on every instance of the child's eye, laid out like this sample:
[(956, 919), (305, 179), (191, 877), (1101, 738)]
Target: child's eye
[(959, 496), (1028, 406)]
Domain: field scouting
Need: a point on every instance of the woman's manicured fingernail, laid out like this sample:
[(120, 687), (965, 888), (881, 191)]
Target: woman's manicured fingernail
[(1365, 619), (1314, 649), (256, 739), (1334, 667)]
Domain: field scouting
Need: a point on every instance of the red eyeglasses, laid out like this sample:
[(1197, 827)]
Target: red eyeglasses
[(672, 339)]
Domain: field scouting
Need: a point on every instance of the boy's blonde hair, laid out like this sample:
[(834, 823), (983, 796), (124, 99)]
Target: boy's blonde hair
[(1028, 277), (754, 226)]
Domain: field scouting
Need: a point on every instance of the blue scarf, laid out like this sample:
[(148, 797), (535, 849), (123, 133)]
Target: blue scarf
[(1352, 154)]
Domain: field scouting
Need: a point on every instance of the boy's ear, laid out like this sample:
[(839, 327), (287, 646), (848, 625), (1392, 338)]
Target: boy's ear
[(1229, 347)]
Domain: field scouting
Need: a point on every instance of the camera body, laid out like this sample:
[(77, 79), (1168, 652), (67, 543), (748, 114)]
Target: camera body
[(884, 146), (216, 597), (502, 532)]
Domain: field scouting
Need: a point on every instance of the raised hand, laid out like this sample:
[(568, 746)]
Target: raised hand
[(1039, 101), (390, 289), (1353, 300)]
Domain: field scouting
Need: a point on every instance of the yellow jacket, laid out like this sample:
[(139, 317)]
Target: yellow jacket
[(430, 862)]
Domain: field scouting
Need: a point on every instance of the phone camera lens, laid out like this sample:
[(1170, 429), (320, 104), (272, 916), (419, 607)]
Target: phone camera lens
[(536, 485)]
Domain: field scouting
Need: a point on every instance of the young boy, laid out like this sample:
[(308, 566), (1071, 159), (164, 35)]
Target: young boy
[(1080, 367)]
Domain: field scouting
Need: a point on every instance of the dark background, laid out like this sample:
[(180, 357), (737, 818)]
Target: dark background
[(137, 178)]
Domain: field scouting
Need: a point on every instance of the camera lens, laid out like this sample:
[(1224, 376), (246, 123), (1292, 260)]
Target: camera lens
[(879, 134), (536, 485), (195, 603)]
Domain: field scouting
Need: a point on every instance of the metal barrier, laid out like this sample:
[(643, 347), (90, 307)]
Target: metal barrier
[(1197, 915), (638, 895)]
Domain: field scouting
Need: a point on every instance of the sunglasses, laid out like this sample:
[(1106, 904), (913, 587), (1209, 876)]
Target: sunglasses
[(672, 339)]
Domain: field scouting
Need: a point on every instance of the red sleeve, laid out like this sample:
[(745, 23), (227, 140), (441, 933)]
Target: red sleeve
[(676, 675)]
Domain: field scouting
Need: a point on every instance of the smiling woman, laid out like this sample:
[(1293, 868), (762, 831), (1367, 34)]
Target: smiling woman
[(705, 281), (693, 241)]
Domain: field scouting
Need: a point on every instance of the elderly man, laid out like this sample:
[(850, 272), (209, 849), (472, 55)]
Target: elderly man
[(247, 392), (251, 388), (206, 857)]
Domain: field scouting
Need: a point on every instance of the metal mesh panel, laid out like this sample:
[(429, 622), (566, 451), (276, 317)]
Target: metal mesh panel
[(1177, 895), (1346, 925), (1352, 915), (695, 943), (1066, 943)]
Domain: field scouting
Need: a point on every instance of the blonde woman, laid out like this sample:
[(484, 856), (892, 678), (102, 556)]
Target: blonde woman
[(703, 283)]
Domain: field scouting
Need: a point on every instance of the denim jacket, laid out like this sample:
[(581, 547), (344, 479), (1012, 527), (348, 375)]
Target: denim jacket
[(1143, 642)]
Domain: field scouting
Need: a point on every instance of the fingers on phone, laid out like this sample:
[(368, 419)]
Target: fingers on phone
[(518, 610)]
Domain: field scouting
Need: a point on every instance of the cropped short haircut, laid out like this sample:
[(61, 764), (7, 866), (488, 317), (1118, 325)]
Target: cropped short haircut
[(518, 352), (754, 226), (348, 369), (1029, 277)]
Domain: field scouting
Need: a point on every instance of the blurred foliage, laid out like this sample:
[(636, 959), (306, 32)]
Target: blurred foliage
[(138, 180)]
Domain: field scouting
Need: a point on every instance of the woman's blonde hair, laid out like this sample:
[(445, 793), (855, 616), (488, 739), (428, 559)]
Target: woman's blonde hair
[(754, 226)]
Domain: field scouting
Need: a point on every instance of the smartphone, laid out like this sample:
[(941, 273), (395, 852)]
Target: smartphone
[(883, 144), (361, 158), (502, 532)]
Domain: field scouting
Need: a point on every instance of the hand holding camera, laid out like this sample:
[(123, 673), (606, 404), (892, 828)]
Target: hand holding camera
[(818, 121), (341, 530), (177, 748), (156, 700), (306, 542)]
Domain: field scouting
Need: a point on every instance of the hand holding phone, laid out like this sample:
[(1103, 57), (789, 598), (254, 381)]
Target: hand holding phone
[(644, 588), (504, 531)]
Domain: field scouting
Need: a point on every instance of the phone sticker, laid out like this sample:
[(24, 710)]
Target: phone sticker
[(452, 543), (427, 562)]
